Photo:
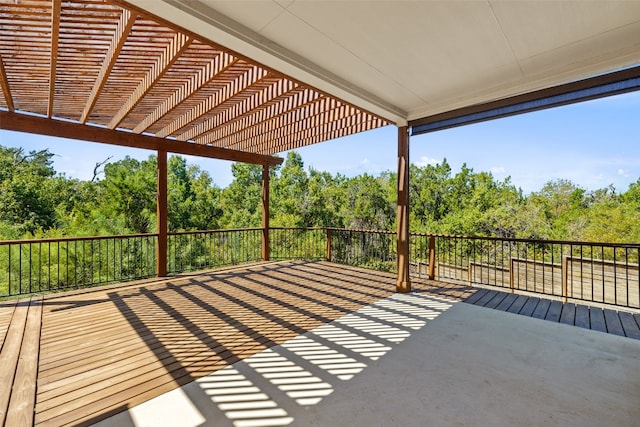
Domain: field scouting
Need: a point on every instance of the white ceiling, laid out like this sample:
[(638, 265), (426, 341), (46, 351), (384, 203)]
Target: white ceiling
[(404, 60)]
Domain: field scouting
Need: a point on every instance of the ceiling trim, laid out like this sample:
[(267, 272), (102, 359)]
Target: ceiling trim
[(618, 82)]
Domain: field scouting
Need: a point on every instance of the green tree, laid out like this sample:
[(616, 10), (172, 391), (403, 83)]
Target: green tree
[(129, 194), (241, 201), (28, 194)]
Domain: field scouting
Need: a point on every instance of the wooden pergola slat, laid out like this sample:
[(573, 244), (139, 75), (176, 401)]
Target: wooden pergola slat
[(227, 93), (56, 9), (204, 75), (256, 104), (6, 89), (125, 24), (170, 55), (110, 64)]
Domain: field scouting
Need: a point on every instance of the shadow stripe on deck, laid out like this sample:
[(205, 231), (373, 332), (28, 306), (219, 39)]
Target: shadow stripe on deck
[(604, 320)]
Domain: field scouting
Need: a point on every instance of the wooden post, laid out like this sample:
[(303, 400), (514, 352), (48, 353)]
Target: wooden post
[(265, 212), (565, 278), (328, 245), (432, 257), (161, 215), (404, 283)]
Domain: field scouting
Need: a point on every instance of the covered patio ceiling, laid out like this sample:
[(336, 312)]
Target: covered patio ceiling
[(406, 60), (243, 80)]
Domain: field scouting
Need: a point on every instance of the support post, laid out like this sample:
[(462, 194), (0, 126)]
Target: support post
[(404, 283), (161, 215), (265, 212), (328, 245), (432, 257)]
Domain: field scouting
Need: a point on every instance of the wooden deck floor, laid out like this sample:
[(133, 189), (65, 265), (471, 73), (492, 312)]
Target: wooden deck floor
[(76, 358)]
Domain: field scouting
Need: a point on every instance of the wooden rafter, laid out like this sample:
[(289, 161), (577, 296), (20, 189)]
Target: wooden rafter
[(202, 77), (4, 83), (56, 9), (171, 53), (227, 94), (63, 129), (125, 24)]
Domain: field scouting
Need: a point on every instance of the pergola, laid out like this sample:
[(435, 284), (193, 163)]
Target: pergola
[(243, 81)]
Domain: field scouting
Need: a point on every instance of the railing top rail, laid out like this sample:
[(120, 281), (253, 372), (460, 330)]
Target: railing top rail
[(357, 230), (175, 233), (222, 230), (74, 239), (296, 228), (511, 239)]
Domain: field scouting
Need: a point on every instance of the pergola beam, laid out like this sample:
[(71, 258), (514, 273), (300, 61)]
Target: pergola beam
[(56, 8), (127, 19), (4, 83), (169, 56), (63, 129)]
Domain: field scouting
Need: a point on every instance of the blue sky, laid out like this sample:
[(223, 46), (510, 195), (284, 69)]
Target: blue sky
[(593, 144)]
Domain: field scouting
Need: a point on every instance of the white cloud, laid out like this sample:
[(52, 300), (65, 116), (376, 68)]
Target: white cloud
[(424, 161), (622, 172), (364, 162), (498, 169)]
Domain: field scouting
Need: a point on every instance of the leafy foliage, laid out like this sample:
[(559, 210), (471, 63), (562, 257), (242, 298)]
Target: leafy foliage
[(35, 201)]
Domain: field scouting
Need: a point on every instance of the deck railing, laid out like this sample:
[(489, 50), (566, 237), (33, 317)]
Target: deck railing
[(592, 272), (200, 250), (373, 249), (29, 266), (297, 243)]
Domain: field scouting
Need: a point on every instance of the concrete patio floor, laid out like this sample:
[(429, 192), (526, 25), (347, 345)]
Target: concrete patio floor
[(424, 361)]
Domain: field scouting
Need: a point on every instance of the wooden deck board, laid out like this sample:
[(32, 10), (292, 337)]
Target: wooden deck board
[(495, 301), (106, 349), (23, 394), (530, 306), (631, 328), (10, 354), (541, 309), (486, 298), (582, 317), (568, 315), (518, 304), (476, 297), (6, 313), (554, 312), (614, 326), (596, 316), (506, 302)]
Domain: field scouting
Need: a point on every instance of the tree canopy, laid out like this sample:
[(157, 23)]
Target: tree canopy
[(37, 201)]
